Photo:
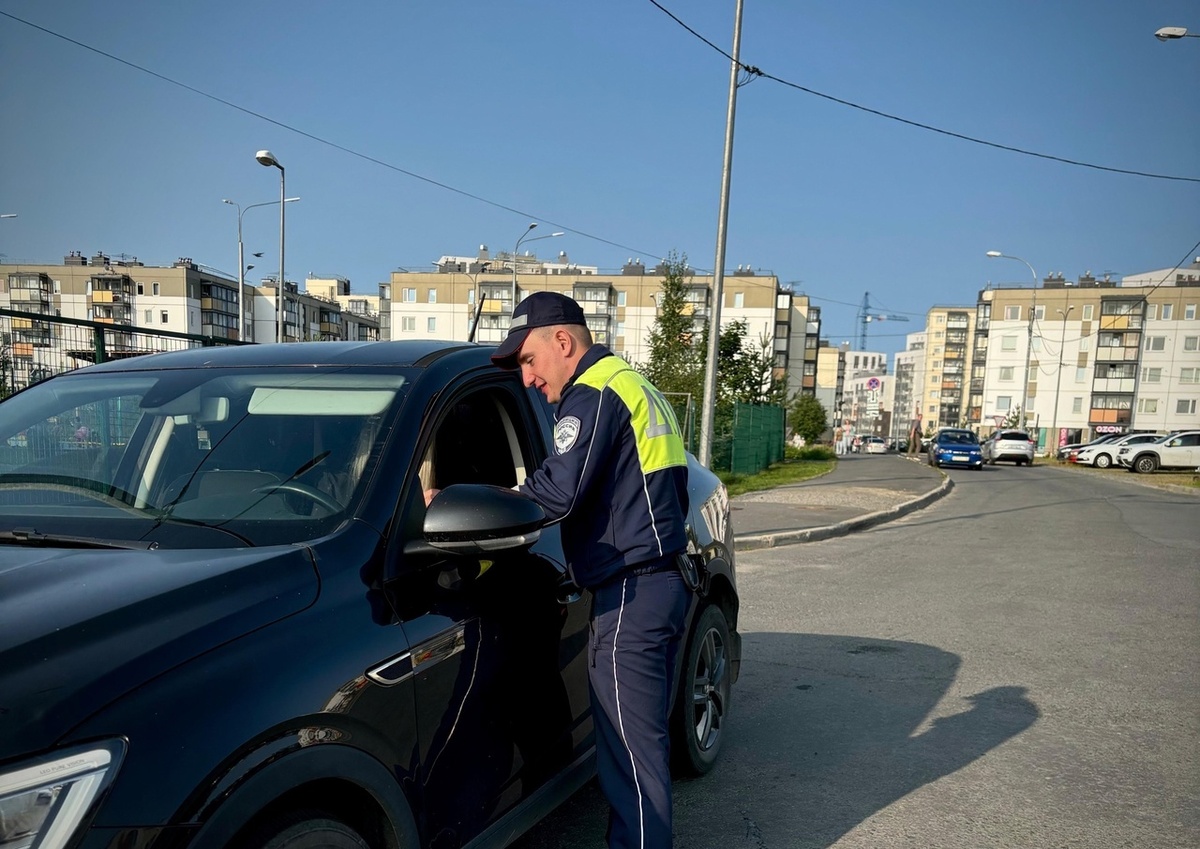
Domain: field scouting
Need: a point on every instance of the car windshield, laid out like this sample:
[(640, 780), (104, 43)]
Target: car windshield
[(958, 438), (190, 458)]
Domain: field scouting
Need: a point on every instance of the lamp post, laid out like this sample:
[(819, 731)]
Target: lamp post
[(1029, 334), (265, 157), (473, 319), (525, 237), (1062, 339), (242, 267), (1169, 33)]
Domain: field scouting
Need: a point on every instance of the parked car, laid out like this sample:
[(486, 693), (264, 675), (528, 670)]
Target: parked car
[(874, 445), (1064, 451), (229, 619), (955, 447), (1013, 445), (1180, 450), (1104, 454)]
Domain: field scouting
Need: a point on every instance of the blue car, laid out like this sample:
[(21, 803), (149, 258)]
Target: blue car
[(952, 446)]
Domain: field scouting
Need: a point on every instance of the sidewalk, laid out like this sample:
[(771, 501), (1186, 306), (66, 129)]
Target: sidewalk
[(861, 491)]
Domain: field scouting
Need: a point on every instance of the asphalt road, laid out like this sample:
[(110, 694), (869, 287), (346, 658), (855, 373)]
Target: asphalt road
[(1014, 666)]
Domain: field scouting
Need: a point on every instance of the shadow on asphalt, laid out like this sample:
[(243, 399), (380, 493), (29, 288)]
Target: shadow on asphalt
[(825, 731)]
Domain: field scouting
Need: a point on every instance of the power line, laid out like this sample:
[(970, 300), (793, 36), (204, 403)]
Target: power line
[(756, 72), (327, 142)]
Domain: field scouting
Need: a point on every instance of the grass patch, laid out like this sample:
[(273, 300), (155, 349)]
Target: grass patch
[(778, 474)]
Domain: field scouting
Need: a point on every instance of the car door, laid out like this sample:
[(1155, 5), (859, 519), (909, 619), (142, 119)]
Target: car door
[(498, 643)]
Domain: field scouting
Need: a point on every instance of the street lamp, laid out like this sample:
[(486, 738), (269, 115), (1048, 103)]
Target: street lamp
[(265, 157), (1029, 334), (525, 237), (1058, 385), (242, 267), (1168, 33)]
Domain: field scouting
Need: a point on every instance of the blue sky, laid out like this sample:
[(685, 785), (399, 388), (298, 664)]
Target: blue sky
[(607, 120)]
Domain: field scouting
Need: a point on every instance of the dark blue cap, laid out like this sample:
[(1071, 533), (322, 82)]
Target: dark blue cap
[(541, 309)]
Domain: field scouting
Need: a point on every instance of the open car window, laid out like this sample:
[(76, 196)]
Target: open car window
[(194, 457)]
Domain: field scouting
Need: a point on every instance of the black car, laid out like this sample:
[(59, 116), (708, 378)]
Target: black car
[(227, 618)]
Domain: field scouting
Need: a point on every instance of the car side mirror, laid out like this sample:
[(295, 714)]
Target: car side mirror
[(479, 519)]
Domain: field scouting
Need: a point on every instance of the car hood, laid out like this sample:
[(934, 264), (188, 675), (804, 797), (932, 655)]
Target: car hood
[(81, 628)]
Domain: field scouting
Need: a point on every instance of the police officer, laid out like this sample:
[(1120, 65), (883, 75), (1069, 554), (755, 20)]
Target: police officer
[(618, 483)]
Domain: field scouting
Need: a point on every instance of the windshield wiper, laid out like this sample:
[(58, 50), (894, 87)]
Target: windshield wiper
[(29, 536)]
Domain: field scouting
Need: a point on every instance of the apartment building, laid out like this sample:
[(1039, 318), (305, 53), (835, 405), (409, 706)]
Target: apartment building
[(620, 306), (909, 384), (943, 363), (185, 297)]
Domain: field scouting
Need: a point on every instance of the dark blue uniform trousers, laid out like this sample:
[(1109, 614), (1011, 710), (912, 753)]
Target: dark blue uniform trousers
[(637, 629)]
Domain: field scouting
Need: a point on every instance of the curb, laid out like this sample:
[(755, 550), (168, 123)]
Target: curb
[(841, 529)]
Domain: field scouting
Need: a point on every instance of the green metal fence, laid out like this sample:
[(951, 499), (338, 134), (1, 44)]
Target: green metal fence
[(35, 346), (752, 441)]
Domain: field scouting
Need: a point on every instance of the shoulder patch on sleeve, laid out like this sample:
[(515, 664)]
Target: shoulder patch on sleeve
[(565, 434)]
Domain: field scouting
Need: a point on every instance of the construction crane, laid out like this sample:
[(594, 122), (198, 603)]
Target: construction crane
[(865, 317)]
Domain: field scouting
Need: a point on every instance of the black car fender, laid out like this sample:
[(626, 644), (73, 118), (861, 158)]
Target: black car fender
[(279, 786)]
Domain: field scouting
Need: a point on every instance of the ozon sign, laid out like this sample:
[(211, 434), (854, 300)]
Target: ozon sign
[(1109, 429)]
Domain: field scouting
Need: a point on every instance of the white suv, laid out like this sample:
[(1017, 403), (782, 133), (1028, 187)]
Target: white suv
[(1174, 451), (1104, 454)]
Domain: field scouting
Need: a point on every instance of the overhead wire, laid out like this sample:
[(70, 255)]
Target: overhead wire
[(757, 72)]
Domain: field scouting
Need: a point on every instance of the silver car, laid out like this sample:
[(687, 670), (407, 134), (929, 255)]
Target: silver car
[(1014, 445)]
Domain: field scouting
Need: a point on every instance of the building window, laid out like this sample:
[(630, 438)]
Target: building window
[(1151, 312), (1012, 313), (1008, 343), (941, 319), (1003, 402), (164, 317), (470, 296), (620, 299), (1006, 372), (408, 295), (1087, 312), (934, 393), (938, 334), (1156, 343), (1147, 405), (1189, 375), (408, 324), (1189, 312), (1080, 374), (1151, 375), (1085, 344), (1167, 311), (432, 295), (1039, 312), (933, 378), (1185, 407), (1035, 343), (431, 324), (141, 288), (1077, 404), (620, 331), (937, 364), (149, 319), (154, 288), (739, 300)]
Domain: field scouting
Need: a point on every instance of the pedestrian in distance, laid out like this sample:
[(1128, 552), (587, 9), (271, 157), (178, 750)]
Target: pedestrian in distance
[(618, 484)]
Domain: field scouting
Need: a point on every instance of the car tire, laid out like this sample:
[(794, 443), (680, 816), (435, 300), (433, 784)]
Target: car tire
[(1102, 461), (1146, 463), (702, 700), (304, 830)]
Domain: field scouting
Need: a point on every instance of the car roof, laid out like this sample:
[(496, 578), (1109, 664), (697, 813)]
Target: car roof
[(402, 353)]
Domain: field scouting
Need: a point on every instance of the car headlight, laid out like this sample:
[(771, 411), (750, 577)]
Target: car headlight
[(43, 802)]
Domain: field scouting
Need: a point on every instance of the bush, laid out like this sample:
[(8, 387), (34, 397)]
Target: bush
[(808, 452)]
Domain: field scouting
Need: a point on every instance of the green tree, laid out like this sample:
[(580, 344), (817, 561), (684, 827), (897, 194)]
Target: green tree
[(808, 418), (676, 362), (1014, 417)]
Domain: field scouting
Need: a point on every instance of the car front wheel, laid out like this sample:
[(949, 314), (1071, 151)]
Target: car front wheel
[(305, 830), (702, 701), (1102, 461), (1146, 463)]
